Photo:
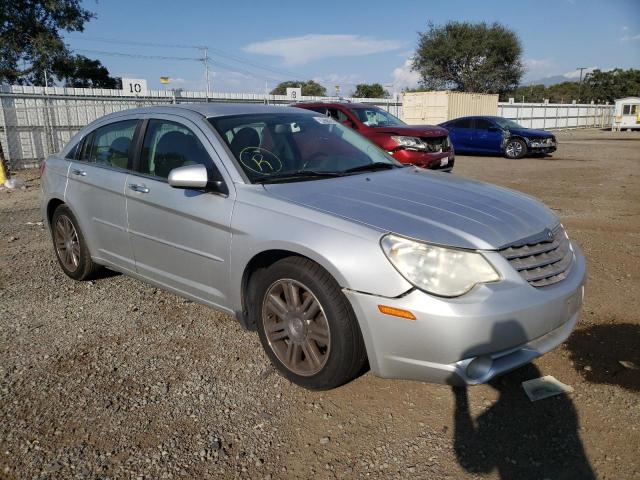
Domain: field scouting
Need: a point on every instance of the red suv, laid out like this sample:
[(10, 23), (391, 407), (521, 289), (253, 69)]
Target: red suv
[(421, 145)]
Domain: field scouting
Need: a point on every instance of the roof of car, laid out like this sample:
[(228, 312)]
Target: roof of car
[(214, 109), (330, 104)]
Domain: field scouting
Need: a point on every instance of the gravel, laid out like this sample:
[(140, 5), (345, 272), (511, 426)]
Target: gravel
[(114, 378)]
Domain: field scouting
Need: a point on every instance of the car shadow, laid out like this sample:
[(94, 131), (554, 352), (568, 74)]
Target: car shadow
[(598, 350), (105, 273), (519, 438)]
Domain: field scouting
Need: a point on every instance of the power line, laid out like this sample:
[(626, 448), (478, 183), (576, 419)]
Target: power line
[(282, 73), (137, 55)]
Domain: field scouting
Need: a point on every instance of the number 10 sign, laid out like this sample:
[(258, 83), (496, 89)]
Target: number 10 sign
[(134, 86)]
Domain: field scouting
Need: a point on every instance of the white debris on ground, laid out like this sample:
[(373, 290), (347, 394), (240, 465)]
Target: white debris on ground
[(544, 387)]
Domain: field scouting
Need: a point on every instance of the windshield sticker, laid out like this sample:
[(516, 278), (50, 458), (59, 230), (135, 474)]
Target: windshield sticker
[(260, 160), (325, 120)]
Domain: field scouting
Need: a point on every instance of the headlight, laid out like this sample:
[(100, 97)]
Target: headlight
[(442, 271), (409, 142)]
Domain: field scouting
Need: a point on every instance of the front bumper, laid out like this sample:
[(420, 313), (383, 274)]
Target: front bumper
[(433, 161), (493, 329)]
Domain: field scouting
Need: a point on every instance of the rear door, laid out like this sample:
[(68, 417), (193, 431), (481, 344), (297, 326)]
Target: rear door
[(95, 191), (181, 237), (487, 137)]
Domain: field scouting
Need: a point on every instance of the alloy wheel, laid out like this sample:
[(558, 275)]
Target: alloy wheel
[(514, 149), (296, 327), (66, 242)]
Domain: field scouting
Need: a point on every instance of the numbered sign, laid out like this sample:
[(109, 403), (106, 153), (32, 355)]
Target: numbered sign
[(134, 86), (294, 93)]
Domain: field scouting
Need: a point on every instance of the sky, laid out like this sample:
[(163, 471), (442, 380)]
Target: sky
[(254, 45)]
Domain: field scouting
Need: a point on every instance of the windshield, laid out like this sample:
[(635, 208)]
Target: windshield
[(506, 124), (375, 117), (275, 147)]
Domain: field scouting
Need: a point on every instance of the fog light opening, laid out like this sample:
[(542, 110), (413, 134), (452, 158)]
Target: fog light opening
[(479, 367)]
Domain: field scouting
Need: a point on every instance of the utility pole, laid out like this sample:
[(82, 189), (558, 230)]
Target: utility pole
[(580, 84), (206, 70)]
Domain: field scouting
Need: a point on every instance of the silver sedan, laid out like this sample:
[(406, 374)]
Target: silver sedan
[(339, 256)]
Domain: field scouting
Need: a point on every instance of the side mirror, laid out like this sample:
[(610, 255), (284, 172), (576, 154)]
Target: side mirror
[(195, 177), (349, 124)]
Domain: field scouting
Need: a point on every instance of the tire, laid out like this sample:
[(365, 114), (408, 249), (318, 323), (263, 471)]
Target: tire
[(75, 261), (515, 149), (316, 345)]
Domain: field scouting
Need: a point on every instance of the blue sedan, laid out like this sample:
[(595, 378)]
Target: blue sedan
[(498, 135)]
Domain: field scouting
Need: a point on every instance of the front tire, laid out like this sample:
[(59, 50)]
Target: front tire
[(306, 325), (70, 246), (515, 149)]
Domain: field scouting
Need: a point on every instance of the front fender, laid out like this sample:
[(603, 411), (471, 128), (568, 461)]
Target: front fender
[(350, 252)]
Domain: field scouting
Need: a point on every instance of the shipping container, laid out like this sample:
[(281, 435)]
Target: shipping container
[(431, 108)]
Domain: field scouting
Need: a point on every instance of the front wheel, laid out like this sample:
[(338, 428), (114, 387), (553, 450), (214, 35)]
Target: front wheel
[(515, 149), (306, 325)]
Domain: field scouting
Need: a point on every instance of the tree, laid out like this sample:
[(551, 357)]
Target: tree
[(30, 36), (309, 88), (608, 86), (80, 71), (469, 57), (370, 90), (597, 86)]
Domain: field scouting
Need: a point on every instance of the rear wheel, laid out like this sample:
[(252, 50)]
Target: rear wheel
[(306, 324), (515, 149), (70, 246)]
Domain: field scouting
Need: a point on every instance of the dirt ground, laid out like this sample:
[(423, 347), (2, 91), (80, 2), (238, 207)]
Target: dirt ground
[(117, 379)]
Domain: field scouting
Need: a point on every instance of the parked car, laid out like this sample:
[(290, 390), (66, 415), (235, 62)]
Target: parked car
[(336, 253), (499, 136), (425, 146)]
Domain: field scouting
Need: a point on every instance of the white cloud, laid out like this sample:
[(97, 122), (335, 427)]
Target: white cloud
[(630, 38), (537, 63), (307, 48), (404, 77)]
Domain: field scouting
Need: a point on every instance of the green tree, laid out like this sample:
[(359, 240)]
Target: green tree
[(469, 57), (309, 88), (608, 86), (30, 33), (370, 90), (80, 71), (597, 86)]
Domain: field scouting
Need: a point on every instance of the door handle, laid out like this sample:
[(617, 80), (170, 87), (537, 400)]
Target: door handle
[(138, 188), (80, 173)]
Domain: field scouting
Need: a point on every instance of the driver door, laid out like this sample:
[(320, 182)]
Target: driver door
[(487, 136), (180, 237)]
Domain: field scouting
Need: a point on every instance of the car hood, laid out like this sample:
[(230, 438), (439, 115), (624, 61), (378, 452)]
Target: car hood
[(435, 207), (530, 132), (413, 130)]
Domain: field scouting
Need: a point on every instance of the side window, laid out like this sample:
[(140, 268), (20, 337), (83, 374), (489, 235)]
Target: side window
[(168, 145), (482, 124), (73, 153), (85, 149), (110, 145), (463, 123), (629, 109), (338, 115)]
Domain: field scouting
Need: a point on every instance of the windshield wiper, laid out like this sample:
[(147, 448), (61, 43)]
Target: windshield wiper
[(297, 174), (371, 167)]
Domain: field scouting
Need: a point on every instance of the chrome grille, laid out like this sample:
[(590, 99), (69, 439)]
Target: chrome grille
[(544, 263)]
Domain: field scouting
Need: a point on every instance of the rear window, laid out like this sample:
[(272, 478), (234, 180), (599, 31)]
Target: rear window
[(110, 145)]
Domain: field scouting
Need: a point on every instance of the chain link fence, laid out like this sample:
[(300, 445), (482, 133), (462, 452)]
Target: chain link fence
[(36, 122)]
